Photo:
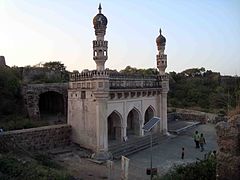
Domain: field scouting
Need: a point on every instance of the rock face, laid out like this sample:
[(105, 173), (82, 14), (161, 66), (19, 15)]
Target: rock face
[(41, 138), (228, 156), (2, 61)]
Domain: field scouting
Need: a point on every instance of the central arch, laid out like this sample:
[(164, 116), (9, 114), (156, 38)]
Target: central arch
[(114, 126), (51, 106), (133, 123)]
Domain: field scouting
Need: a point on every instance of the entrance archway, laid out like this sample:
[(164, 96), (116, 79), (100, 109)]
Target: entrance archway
[(51, 106), (133, 124), (149, 114), (114, 126)]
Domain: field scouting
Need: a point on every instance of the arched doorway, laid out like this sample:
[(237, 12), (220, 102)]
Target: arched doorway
[(133, 124), (149, 114), (114, 127), (51, 106)]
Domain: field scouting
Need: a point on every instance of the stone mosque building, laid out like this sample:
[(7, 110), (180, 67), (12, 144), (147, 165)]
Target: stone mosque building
[(107, 107)]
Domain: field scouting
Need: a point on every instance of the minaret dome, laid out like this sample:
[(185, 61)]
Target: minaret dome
[(161, 40), (100, 22), (161, 57)]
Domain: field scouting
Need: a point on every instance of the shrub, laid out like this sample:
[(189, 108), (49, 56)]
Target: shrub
[(13, 167), (14, 122), (200, 170), (46, 160)]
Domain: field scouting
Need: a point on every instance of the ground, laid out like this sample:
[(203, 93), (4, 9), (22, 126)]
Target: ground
[(165, 155)]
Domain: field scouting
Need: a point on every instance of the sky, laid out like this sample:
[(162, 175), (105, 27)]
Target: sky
[(202, 33)]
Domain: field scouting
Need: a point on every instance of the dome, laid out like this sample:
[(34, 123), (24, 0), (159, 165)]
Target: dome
[(160, 39), (100, 20)]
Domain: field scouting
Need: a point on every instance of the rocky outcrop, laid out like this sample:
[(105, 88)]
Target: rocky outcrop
[(228, 156), (2, 62)]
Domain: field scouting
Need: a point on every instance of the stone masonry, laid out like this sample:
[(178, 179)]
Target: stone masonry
[(202, 118), (33, 139), (32, 92), (228, 156)]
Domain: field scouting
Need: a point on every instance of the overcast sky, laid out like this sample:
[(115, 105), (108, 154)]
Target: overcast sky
[(199, 33)]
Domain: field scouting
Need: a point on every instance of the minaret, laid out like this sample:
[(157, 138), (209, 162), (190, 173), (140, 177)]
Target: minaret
[(162, 65), (161, 57), (100, 46)]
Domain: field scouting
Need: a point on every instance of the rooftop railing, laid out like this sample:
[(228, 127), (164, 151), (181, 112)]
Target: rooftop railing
[(120, 80)]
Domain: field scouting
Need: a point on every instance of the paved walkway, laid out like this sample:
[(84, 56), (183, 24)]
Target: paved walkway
[(165, 155), (168, 153)]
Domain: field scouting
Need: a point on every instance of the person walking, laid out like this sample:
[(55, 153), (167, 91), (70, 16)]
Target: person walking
[(182, 157), (202, 142), (196, 138)]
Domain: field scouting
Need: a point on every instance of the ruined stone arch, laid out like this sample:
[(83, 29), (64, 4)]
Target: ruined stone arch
[(55, 101), (51, 103), (114, 123), (149, 113), (133, 122)]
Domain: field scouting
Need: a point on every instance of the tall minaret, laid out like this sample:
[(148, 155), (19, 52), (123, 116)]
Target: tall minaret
[(162, 65), (161, 57), (100, 46)]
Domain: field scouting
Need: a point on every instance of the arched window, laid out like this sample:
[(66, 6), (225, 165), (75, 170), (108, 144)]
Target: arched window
[(114, 126), (133, 124), (149, 114)]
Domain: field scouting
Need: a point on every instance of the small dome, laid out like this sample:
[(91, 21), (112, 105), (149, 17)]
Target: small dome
[(99, 20), (160, 39)]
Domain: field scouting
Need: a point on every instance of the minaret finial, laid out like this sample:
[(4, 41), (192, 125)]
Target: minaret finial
[(100, 8), (160, 31)]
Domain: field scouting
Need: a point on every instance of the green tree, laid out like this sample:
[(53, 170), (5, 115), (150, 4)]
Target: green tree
[(55, 66), (9, 91), (144, 72)]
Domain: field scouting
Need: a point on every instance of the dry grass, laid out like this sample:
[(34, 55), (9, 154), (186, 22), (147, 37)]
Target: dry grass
[(234, 112)]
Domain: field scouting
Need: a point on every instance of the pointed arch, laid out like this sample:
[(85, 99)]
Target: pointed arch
[(133, 122), (149, 114), (114, 122)]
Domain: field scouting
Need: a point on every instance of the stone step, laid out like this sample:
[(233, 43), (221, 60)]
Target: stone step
[(66, 155), (133, 146), (133, 150), (129, 142), (60, 151)]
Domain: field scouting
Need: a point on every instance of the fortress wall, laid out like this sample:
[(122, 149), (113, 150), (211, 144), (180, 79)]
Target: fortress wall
[(41, 138), (187, 117)]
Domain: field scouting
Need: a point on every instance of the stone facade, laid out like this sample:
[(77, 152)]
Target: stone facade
[(42, 138), (32, 92), (107, 107), (228, 155)]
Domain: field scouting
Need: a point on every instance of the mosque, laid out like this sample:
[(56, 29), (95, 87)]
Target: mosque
[(106, 107)]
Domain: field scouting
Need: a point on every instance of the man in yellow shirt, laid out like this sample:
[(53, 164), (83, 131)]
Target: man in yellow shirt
[(196, 138)]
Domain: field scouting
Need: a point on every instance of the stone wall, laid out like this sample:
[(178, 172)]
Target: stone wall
[(210, 117), (187, 117), (228, 156), (32, 139)]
